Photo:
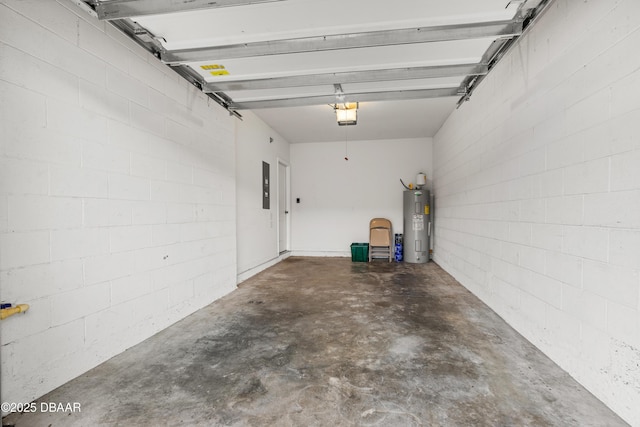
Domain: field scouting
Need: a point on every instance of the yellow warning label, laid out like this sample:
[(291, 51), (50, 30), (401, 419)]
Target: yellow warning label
[(216, 69), (426, 209), (212, 67)]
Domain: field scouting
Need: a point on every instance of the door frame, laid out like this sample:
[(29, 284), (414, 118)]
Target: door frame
[(287, 207)]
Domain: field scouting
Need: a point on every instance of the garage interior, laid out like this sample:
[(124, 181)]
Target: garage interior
[(177, 203)]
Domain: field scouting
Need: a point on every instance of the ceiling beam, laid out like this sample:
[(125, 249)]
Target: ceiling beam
[(194, 78), (367, 76), (346, 41), (530, 10), (139, 34), (118, 9), (349, 97)]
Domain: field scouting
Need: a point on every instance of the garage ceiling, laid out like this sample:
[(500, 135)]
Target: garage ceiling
[(408, 63)]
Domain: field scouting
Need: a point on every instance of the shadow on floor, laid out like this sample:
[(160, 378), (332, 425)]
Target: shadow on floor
[(328, 342)]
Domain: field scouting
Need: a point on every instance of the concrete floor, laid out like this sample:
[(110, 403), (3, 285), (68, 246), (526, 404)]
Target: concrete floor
[(328, 342)]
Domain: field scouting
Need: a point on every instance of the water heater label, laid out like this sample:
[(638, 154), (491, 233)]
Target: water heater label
[(418, 222), (426, 209)]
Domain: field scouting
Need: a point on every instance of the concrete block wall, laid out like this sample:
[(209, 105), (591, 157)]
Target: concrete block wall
[(338, 198), (537, 190), (117, 195)]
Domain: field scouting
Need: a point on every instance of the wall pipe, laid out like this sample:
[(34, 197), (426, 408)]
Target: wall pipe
[(6, 312)]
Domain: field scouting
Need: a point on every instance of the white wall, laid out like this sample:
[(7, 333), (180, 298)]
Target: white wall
[(117, 195), (338, 198), (257, 227), (537, 185)]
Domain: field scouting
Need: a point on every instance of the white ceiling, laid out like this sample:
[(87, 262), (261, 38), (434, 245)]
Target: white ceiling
[(287, 60), (415, 118)]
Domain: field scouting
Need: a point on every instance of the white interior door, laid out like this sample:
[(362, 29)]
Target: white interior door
[(283, 209)]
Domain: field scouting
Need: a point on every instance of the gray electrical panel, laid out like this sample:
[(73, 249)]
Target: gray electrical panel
[(265, 186), (417, 226)]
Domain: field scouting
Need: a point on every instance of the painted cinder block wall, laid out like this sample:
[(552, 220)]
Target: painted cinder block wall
[(537, 185), (117, 195), (338, 198)]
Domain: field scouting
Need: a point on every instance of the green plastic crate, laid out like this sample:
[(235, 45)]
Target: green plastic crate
[(360, 252)]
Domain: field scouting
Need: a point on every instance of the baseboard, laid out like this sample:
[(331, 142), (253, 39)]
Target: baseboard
[(322, 253), (255, 270)]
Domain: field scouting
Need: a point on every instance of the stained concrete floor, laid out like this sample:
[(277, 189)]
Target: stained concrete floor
[(328, 342)]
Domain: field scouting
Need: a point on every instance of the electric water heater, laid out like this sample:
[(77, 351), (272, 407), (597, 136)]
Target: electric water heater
[(417, 226)]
